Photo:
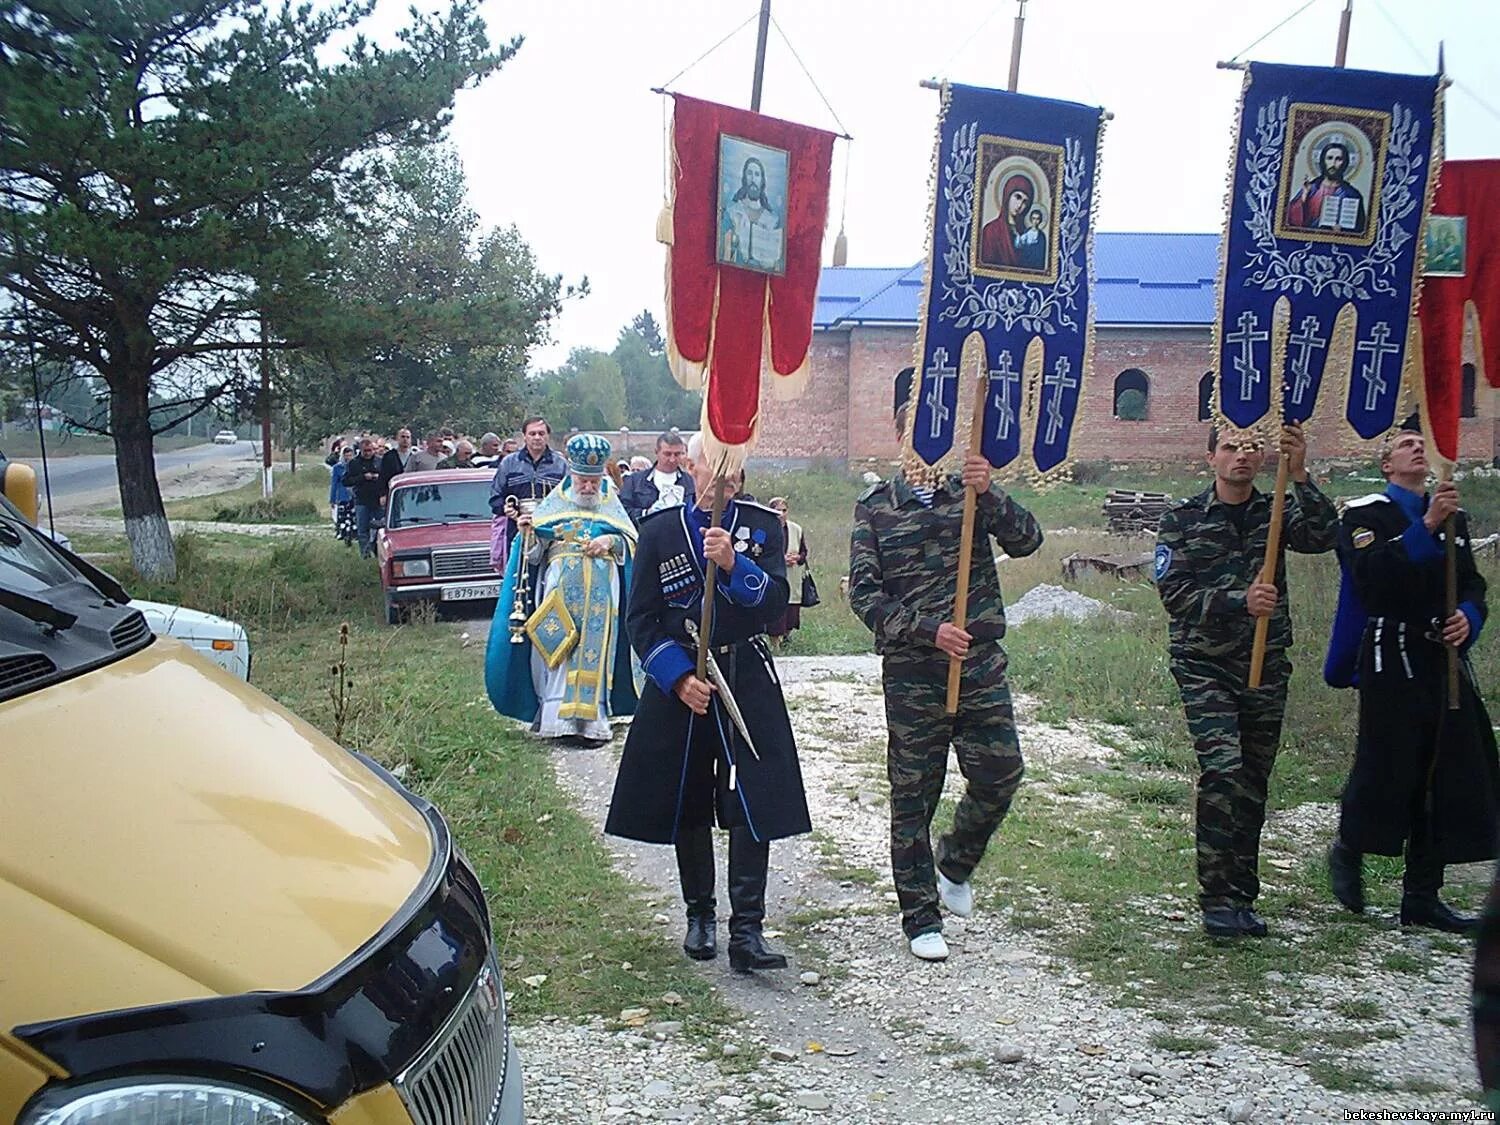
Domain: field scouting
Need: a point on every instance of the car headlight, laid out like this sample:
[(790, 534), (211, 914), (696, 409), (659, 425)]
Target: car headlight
[(412, 568), (184, 1102)]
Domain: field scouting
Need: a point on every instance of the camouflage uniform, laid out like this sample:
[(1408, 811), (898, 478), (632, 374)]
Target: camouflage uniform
[(902, 580), (1204, 568)]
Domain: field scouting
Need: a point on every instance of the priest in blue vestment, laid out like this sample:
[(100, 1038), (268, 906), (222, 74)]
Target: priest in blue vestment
[(567, 672)]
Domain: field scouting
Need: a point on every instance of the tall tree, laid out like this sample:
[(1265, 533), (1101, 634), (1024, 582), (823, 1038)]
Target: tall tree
[(585, 393), (653, 399), (441, 313), (170, 168)]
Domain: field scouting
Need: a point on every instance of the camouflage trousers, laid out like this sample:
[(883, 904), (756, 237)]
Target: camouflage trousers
[(982, 734), (1235, 734)]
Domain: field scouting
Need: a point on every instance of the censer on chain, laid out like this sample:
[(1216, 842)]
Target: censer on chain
[(518, 610)]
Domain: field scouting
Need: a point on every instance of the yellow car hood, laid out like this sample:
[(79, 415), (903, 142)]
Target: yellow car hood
[(169, 833)]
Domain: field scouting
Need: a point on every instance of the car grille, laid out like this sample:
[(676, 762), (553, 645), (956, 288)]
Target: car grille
[(459, 1078), (471, 562), (130, 632), (17, 671)]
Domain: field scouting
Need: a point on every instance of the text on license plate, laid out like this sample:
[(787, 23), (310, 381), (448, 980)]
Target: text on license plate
[(470, 591)]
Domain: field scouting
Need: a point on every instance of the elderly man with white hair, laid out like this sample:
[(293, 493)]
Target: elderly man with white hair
[(566, 672), (718, 749)]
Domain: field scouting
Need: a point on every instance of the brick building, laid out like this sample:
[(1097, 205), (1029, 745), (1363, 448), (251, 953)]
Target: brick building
[(1154, 302)]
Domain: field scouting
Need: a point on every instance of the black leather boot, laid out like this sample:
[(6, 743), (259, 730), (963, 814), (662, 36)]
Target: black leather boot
[(1225, 922), (1252, 923), (695, 868), (748, 861), (1420, 905), (1346, 876)]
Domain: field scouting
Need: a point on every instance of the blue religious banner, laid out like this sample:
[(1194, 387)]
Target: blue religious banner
[(1333, 177), (1007, 291)]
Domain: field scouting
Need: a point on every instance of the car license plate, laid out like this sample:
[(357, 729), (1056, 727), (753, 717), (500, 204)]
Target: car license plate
[(471, 591)]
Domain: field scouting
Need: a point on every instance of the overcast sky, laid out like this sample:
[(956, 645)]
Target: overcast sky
[(566, 140)]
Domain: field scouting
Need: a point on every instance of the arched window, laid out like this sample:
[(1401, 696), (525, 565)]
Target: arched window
[(1466, 407), (1132, 395), (1206, 397)]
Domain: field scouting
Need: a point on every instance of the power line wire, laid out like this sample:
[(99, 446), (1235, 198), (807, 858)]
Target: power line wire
[(1421, 56), (973, 35), (1273, 30), (818, 89), (739, 28)]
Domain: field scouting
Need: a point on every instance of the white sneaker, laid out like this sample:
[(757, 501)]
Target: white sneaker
[(930, 947), (957, 897)]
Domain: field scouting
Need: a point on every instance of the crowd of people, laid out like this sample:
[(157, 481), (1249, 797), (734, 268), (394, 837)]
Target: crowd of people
[(364, 465), (712, 744), (606, 571)]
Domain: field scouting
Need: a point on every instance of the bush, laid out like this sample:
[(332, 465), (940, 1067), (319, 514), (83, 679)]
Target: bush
[(270, 586), (276, 508), (1131, 406)]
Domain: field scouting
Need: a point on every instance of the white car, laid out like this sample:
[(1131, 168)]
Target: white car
[(216, 638), (226, 437)]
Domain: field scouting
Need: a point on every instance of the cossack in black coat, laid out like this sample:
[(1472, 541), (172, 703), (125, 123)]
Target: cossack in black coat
[(680, 770), (1409, 742)]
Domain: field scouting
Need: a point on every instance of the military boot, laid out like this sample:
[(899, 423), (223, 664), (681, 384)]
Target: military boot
[(695, 869), (1346, 876), (1420, 905), (748, 862)]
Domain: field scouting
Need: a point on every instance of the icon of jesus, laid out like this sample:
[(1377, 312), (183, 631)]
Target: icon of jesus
[(1329, 202)]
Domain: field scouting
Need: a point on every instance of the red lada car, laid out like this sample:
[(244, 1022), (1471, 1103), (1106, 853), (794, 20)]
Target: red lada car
[(435, 546)]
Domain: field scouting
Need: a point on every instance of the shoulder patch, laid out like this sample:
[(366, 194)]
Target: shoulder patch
[(1362, 501), (652, 515), (1162, 561), (1363, 538), (757, 506), (878, 486)]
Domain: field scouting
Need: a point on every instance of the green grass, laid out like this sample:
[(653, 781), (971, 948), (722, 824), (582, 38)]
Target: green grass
[(558, 906), (1359, 1009), (300, 497), (1182, 1044)]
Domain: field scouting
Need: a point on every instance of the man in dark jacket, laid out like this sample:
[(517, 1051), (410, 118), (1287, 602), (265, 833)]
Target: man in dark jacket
[(664, 485), (527, 474), (1209, 554), (1424, 776), (365, 478), (685, 764), (395, 461)]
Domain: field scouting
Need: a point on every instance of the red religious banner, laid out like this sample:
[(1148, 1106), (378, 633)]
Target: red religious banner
[(749, 204), (1461, 271)]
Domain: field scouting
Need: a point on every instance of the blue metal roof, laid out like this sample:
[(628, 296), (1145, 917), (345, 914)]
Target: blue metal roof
[(1162, 279)]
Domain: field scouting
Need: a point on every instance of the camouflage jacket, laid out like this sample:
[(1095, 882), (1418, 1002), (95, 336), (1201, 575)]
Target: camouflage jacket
[(903, 562), (1204, 567)]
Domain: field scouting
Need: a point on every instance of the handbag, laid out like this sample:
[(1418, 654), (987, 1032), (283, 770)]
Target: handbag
[(809, 590)]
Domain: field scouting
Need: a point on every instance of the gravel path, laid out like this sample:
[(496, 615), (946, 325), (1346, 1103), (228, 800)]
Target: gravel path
[(1003, 1031)]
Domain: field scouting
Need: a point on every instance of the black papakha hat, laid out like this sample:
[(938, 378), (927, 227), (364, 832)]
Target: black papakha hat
[(903, 389)]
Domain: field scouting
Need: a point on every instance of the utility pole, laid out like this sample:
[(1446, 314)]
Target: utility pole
[(760, 55), (265, 410)]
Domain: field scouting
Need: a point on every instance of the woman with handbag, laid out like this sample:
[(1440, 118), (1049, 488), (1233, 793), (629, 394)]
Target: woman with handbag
[(804, 592)]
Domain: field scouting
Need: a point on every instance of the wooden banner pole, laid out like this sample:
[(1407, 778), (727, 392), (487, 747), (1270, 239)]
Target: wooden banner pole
[(720, 486), (976, 435), (1268, 568), (966, 541), (1450, 601), (1278, 503)]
